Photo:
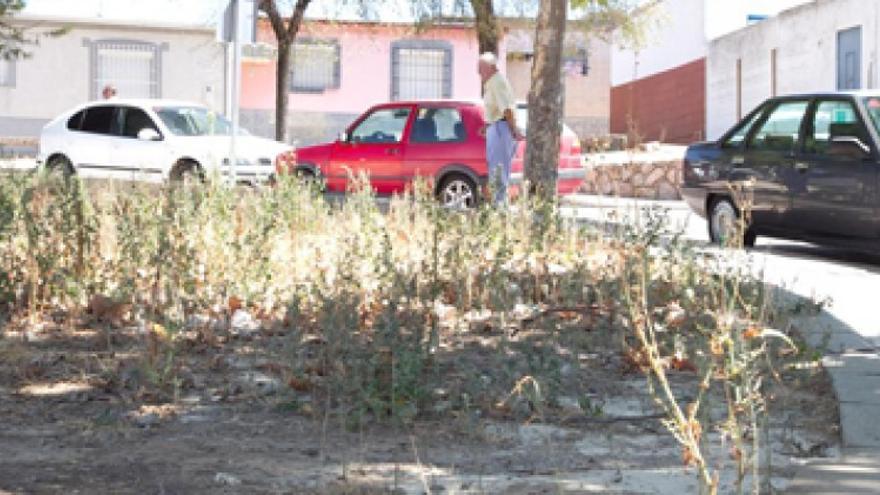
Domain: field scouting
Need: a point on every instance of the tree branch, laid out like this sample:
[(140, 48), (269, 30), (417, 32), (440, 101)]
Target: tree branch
[(297, 18), (275, 19)]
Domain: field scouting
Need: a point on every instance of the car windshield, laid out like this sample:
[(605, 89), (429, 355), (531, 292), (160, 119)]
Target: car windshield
[(195, 121), (872, 103)]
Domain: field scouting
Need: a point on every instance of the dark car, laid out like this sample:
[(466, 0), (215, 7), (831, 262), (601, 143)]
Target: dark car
[(802, 167)]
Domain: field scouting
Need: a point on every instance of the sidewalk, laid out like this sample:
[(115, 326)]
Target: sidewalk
[(852, 357), (611, 202)]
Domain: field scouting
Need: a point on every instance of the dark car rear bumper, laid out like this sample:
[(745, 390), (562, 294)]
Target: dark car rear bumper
[(695, 197)]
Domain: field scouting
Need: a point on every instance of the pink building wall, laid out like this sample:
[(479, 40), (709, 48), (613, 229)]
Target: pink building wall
[(365, 66)]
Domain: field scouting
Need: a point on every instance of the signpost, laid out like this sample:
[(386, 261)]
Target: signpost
[(238, 25)]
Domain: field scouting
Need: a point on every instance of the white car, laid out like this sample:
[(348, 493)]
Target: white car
[(154, 140)]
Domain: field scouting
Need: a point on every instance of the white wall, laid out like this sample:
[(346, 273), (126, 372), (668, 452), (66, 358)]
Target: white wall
[(726, 16), (681, 32), (806, 42), (675, 38), (57, 76)]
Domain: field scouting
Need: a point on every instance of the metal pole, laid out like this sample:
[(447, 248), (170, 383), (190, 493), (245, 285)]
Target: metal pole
[(236, 88), (227, 103)]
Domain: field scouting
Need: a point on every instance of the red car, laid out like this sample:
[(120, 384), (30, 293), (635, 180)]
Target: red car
[(439, 140)]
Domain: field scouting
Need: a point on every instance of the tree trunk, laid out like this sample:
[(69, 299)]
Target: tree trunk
[(285, 36), (545, 100), (282, 93), (487, 25)]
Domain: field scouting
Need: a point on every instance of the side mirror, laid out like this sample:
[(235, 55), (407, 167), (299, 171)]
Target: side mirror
[(849, 146), (343, 137), (147, 134)]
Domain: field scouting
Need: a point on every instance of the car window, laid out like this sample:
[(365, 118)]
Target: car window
[(195, 121), (739, 135), (135, 120), (438, 125), (99, 120), (382, 126), (872, 104), (780, 131), (75, 123), (833, 118)]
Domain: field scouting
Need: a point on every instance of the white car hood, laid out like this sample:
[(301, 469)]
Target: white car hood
[(250, 148)]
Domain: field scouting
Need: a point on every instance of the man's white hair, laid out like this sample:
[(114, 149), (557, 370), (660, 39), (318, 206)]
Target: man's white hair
[(489, 58)]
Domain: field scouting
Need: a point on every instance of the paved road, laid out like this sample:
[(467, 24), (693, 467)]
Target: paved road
[(850, 326)]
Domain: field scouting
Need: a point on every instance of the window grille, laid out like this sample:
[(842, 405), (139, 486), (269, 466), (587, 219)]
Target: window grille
[(132, 67), (315, 66), (421, 69)]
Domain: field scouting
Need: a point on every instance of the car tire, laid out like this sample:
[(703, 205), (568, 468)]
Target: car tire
[(60, 165), (187, 170), (723, 219), (458, 191), (304, 173)]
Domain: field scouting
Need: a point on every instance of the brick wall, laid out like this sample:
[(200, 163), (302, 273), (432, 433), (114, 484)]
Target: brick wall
[(669, 106)]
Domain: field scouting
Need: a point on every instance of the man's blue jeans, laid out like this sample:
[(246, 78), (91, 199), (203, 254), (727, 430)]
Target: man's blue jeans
[(500, 150)]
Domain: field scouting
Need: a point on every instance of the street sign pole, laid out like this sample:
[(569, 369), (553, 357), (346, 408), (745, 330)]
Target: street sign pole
[(238, 25), (236, 88)]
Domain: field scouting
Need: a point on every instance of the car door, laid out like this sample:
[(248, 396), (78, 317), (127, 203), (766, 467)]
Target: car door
[(373, 146), (91, 143), (833, 185), (766, 165), (439, 138), (135, 159)]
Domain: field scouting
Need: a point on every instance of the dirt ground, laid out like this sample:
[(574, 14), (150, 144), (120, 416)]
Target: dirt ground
[(77, 417)]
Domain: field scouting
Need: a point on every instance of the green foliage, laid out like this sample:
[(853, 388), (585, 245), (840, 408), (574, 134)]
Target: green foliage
[(625, 22), (15, 38), (11, 36)]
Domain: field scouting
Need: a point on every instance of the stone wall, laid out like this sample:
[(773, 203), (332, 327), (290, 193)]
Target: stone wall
[(639, 178)]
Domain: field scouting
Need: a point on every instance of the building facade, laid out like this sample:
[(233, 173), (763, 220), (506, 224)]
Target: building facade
[(339, 69), (823, 45), (154, 61), (587, 74), (658, 90)]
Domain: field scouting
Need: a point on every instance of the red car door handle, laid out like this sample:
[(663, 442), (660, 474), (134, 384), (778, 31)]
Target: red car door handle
[(393, 151)]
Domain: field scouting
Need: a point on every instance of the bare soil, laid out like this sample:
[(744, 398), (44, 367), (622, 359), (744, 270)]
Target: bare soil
[(95, 410)]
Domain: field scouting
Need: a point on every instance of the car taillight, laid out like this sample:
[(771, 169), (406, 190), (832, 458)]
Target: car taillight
[(285, 162)]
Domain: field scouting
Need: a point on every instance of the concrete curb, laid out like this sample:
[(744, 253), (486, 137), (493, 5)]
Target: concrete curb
[(596, 201)]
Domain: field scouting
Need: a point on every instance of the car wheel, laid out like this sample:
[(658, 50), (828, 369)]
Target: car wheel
[(187, 171), (305, 175), (60, 166), (724, 228), (458, 192)]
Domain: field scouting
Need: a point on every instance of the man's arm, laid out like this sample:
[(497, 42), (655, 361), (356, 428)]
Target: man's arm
[(508, 103), (510, 117)]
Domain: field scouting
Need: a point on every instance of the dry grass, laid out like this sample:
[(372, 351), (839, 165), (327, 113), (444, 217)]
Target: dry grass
[(413, 313)]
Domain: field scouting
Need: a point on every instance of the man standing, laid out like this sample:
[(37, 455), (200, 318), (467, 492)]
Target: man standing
[(108, 92), (501, 131)]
